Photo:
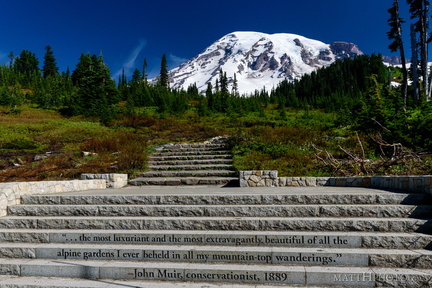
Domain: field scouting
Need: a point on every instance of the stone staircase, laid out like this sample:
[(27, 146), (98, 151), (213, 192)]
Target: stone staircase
[(218, 237), (190, 164)]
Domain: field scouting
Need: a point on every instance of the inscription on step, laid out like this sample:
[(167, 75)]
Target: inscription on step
[(200, 239), (275, 277), (230, 256)]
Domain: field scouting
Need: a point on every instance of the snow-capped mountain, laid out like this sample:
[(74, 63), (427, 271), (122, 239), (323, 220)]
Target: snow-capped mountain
[(258, 60)]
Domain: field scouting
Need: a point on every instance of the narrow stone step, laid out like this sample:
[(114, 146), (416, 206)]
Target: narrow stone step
[(191, 167), (190, 162), (193, 145), (225, 273), (176, 181), (190, 157), (383, 240), (389, 258), (189, 173), (378, 211), (232, 196), (221, 223), (190, 153), (178, 149)]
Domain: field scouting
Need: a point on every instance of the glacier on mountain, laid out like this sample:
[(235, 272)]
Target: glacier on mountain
[(258, 60)]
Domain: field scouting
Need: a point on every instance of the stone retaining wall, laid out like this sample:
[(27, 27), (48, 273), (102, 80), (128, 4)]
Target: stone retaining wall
[(113, 180), (418, 184), (266, 178), (11, 192)]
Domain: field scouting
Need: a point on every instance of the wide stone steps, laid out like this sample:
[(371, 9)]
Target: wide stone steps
[(233, 196), (225, 273), (220, 223), (419, 259), (49, 282), (328, 210), (401, 240), (189, 164), (209, 236)]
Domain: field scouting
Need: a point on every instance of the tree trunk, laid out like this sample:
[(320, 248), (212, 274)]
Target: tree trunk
[(424, 46), (414, 63)]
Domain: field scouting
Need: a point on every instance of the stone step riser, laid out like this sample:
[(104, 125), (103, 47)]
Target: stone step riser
[(221, 223), (191, 167), (192, 157), (190, 153), (224, 199), (309, 257), (278, 275), (224, 238), (194, 146), (190, 162), (194, 150), (378, 211), (185, 181), (48, 282)]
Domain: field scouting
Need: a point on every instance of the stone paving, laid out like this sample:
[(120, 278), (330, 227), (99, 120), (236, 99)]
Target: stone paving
[(210, 236)]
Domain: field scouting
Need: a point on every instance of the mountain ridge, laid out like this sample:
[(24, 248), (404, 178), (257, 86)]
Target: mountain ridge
[(258, 60)]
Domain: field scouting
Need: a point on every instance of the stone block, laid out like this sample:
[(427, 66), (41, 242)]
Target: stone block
[(282, 181), (244, 174), (257, 173), (261, 183), (340, 182), (243, 182), (113, 180), (311, 181), (255, 178), (293, 184), (323, 181)]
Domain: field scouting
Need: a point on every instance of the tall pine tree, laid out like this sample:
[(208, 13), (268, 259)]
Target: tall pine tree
[(97, 92), (27, 66), (395, 34), (50, 65), (163, 75), (419, 10)]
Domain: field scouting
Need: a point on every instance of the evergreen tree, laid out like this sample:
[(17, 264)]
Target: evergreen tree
[(163, 75), (223, 81), (235, 90), (123, 86), (419, 10), (210, 96), (144, 70), (49, 66), (97, 92), (193, 91), (27, 66), (136, 76), (395, 34), (12, 59), (414, 64)]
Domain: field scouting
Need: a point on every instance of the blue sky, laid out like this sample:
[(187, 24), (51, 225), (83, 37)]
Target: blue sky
[(128, 31)]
